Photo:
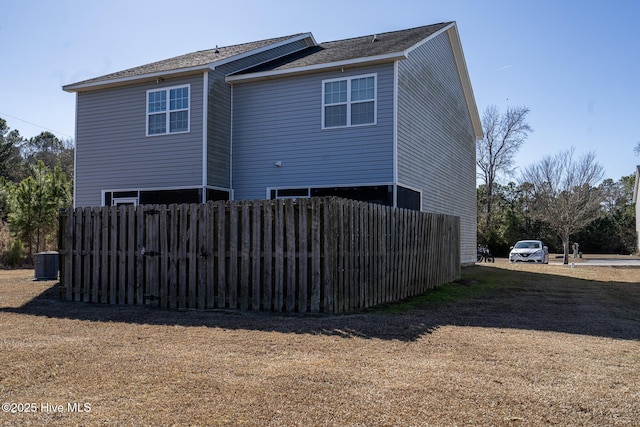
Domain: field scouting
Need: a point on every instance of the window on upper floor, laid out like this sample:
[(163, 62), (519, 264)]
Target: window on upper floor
[(168, 110), (349, 102)]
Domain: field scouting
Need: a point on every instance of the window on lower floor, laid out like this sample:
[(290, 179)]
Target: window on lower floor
[(381, 194), (408, 198), (168, 197), (289, 193), (214, 195), (163, 197)]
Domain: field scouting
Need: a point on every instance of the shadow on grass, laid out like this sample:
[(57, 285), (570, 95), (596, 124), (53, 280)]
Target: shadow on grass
[(485, 297)]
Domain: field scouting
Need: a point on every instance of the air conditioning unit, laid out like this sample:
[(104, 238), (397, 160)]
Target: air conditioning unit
[(46, 265)]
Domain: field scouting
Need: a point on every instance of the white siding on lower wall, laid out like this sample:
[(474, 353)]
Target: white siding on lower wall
[(436, 144)]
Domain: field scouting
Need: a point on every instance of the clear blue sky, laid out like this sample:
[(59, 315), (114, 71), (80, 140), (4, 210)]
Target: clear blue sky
[(575, 64)]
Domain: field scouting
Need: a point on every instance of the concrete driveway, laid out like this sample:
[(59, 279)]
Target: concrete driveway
[(619, 260)]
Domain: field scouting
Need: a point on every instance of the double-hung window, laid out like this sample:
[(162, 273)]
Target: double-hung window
[(168, 110), (349, 102)]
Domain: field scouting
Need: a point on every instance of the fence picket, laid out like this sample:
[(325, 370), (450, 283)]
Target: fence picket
[(95, 253), (267, 262), (211, 257), (163, 247), (278, 297), (122, 249), (222, 255), (104, 255), (192, 255), (130, 253), (302, 251), (172, 255), (316, 212), (245, 251), (205, 267), (256, 231), (233, 254), (77, 283), (290, 231), (329, 248)]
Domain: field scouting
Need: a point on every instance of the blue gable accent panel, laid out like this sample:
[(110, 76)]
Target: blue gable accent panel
[(436, 142), (280, 120), (113, 151)]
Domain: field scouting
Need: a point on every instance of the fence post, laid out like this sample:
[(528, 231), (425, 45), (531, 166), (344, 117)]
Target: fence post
[(63, 217)]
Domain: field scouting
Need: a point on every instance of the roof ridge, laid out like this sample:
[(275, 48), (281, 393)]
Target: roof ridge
[(243, 44)]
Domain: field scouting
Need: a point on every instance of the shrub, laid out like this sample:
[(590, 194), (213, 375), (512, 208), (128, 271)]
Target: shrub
[(15, 256)]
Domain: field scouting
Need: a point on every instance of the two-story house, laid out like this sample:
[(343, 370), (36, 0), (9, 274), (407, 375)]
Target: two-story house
[(388, 118)]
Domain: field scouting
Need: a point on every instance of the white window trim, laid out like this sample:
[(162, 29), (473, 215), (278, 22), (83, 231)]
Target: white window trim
[(168, 112), (276, 189), (349, 102), (124, 201), (408, 187)]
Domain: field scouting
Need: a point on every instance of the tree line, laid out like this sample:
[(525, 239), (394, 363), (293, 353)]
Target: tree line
[(36, 181), (560, 199)]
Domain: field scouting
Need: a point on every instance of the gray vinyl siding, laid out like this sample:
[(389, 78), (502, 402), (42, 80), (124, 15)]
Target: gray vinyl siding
[(281, 120), (219, 106), (113, 151), (219, 131), (436, 144)]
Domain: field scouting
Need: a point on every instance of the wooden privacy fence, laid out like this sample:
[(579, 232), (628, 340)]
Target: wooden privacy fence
[(319, 255)]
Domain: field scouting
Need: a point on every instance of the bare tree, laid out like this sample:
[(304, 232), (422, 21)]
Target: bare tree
[(503, 137), (564, 192)]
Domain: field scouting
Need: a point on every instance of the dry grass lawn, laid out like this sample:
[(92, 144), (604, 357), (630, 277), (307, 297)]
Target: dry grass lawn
[(508, 345)]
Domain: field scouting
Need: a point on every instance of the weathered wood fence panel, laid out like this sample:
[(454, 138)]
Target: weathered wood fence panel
[(319, 255)]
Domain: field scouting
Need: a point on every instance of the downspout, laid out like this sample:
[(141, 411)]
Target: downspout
[(231, 192), (75, 161), (205, 140), (395, 133)]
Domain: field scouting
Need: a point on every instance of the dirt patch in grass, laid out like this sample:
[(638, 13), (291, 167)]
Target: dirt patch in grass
[(508, 345)]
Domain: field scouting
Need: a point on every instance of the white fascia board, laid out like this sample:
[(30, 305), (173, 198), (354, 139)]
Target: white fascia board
[(80, 87), (369, 60), (465, 80)]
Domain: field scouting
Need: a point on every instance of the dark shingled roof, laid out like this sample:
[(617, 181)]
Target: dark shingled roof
[(350, 49), (324, 53), (190, 60)]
